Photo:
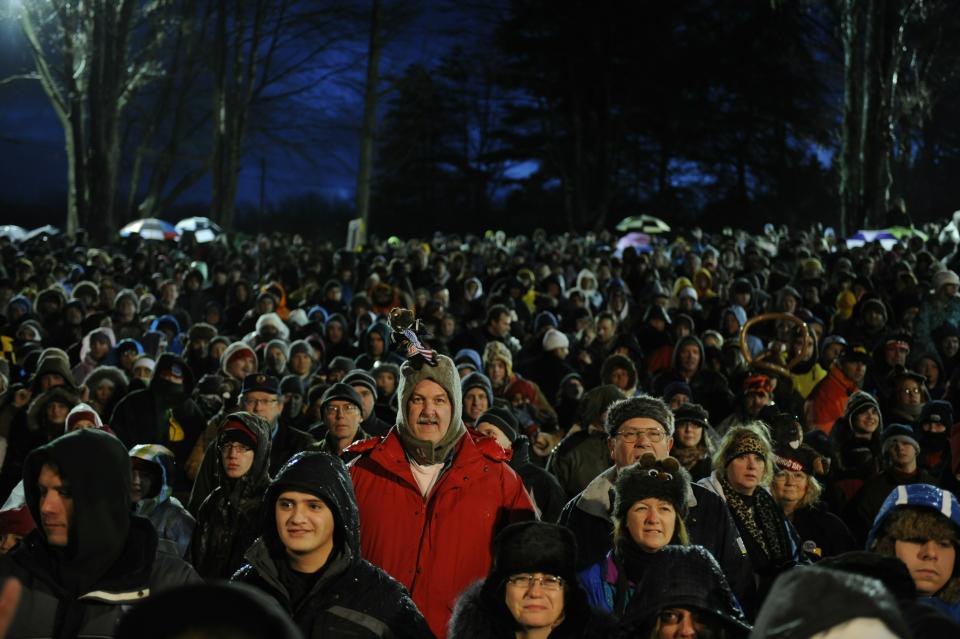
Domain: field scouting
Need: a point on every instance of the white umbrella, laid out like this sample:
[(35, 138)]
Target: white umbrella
[(12, 231), (43, 230), (150, 228), (203, 228), (643, 223)]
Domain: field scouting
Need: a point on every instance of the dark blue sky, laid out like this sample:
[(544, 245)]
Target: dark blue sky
[(32, 158)]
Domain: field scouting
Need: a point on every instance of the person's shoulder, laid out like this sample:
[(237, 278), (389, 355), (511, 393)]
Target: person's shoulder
[(487, 447)]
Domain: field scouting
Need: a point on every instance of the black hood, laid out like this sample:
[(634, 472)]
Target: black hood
[(169, 359), (325, 476), (96, 468)]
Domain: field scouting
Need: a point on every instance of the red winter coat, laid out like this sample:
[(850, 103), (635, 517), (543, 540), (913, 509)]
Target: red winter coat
[(828, 399), (438, 546)]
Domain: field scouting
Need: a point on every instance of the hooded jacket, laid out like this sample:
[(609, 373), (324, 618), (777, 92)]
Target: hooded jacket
[(111, 559), (169, 518), (434, 546), (162, 414), (227, 521), (367, 360), (351, 596)]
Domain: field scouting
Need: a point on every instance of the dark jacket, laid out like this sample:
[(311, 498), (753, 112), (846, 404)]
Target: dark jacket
[(863, 509), (546, 490), (822, 534), (228, 519), (708, 522), (162, 414), (351, 597), (111, 559), (577, 459), (476, 616)]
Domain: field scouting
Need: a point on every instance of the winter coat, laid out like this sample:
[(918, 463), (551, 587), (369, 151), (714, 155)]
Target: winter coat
[(367, 360), (351, 597), (169, 518), (114, 559), (933, 313), (227, 522), (148, 416), (822, 534), (708, 524), (547, 493), (577, 459), (862, 511), (473, 615), (827, 401), (435, 546)]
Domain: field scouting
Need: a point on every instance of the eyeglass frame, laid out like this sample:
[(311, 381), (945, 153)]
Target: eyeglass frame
[(653, 435), (256, 403), (346, 409), (527, 581), (227, 448)]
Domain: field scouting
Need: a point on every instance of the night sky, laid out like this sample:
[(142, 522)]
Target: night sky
[(32, 158)]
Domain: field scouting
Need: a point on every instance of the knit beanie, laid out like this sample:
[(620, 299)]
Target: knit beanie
[(662, 479), (936, 411), (860, 401), (595, 403), (235, 430), (301, 346), (478, 380), (554, 339), (358, 377), (645, 406), (898, 432), (523, 388), (502, 419), (445, 374)]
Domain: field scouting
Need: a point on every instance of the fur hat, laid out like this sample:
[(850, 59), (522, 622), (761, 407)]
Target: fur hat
[(640, 406), (498, 350), (534, 546), (691, 413), (662, 479)]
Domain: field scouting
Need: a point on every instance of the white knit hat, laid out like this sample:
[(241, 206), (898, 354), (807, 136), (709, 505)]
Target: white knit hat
[(554, 339)]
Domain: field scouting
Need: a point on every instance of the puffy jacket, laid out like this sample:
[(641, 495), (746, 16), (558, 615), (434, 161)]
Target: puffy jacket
[(435, 546), (169, 518), (351, 597)]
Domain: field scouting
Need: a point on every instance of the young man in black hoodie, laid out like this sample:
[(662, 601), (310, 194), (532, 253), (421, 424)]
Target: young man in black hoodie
[(90, 557), (308, 558)]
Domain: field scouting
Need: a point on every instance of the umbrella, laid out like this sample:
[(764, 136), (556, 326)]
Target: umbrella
[(643, 223), (12, 231), (43, 230), (865, 236), (640, 241), (203, 228), (150, 228)]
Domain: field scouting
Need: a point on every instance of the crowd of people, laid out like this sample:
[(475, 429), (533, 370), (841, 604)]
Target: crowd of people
[(473, 437)]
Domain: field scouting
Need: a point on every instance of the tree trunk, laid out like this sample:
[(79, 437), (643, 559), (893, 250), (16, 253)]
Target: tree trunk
[(368, 130)]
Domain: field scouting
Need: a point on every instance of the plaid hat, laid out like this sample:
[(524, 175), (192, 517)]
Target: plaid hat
[(363, 378), (342, 391), (234, 430), (898, 432), (502, 419), (695, 413), (260, 382), (937, 411)]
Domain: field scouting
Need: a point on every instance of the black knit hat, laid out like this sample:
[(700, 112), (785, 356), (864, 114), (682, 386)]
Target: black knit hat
[(800, 459), (662, 479), (534, 546), (502, 419), (478, 380), (343, 392), (363, 378), (291, 384)]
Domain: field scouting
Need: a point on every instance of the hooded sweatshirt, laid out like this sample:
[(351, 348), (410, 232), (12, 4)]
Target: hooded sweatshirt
[(169, 518), (368, 601)]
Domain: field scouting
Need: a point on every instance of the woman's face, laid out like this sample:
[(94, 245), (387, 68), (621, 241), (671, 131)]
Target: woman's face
[(689, 433), (745, 473), (789, 486), (651, 523), (497, 371), (867, 420), (533, 605)]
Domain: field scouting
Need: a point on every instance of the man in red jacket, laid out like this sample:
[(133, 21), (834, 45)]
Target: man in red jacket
[(432, 495), (828, 400)]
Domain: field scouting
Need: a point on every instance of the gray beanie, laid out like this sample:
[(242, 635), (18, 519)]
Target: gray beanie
[(640, 406)]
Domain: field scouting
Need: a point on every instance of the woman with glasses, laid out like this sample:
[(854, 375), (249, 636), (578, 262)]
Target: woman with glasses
[(648, 512), (743, 469), (228, 519), (684, 595), (531, 592)]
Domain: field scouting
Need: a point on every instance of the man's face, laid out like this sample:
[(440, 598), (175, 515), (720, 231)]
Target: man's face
[(896, 353), (51, 380), (755, 401), (305, 525), (300, 363), (368, 398), (386, 382), (375, 341), (678, 400), (342, 418), (620, 378), (475, 403), (240, 367), (56, 506), (950, 345), (142, 373), (909, 392), (496, 371), (873, 318), (855, 370), (104, 392), (142, 483), (500, 326), (605, 330), (334, 332), (57, 412), (643, 431), (429, 412), (265, 405), (832, 352), (237, 459), (127, 357), (930, 562), (689, 358), (902, 454)]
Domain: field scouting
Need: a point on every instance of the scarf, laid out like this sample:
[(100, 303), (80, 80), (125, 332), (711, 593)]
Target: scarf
[(426, 453), (688, 456), (631, 561), (760, 518)]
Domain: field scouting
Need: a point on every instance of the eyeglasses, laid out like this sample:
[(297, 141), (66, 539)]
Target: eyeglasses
[(234, 448), (255, 403), (348, 409), (547, 582), (650, 434), (910, 391)]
